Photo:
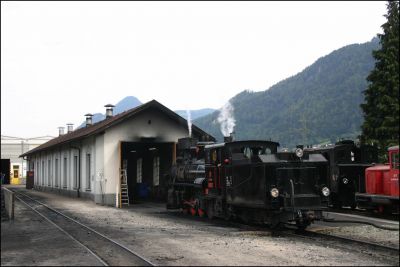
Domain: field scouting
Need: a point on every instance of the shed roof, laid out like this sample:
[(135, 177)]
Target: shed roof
[(109, 122)]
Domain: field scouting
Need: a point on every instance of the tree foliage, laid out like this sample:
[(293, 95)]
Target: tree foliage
[(381, 105)]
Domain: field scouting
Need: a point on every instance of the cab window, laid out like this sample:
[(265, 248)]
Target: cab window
[(395, 161), (247, 152)]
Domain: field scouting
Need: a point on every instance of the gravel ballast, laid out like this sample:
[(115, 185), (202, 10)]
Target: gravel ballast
[(170, 238)]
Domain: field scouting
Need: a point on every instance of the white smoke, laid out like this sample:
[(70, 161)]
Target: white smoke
[(189, 121), (226, 119)]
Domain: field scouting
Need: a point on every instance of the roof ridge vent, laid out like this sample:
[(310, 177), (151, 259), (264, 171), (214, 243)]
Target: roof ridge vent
[(70, 127), (109, 110), (60, 131), (89, 119)]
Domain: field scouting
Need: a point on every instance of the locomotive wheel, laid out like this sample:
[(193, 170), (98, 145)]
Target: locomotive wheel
[(201, 212), (303, 225), (337, 204), (193, 211), (185, 211), (210, 214), (210, 211)]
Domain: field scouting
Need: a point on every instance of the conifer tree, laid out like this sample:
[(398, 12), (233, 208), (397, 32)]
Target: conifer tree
[(381, 105)]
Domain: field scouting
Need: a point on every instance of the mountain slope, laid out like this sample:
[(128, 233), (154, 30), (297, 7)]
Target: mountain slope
[(131, 102), (319, 104), (195, 113), (124, 104)]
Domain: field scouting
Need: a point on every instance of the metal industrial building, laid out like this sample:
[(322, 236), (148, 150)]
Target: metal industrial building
[(121, 158), (12, 165)]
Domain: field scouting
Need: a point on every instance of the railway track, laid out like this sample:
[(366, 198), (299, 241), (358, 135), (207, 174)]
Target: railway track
[(327, 240), (116, 254), (360, 212), (108, 251), (345, 243)]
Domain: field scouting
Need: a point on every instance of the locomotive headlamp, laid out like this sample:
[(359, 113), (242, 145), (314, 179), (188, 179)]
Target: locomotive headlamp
[(345, 180), (274, 192), (299, 152), (325, 191)]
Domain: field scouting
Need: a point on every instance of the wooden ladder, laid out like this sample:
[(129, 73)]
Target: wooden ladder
[(124, 188)]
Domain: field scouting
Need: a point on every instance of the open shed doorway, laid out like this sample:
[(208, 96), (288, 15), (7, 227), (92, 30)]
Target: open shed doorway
[(147, 164), (5, 171)]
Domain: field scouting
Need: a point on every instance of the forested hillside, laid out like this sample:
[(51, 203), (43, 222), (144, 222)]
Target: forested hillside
[(195, 114), (319, 104)]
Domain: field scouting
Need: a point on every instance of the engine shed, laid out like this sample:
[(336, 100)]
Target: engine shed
[(118, 161)]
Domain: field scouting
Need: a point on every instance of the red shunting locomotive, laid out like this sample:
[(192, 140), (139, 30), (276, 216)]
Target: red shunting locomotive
[(382, 185)]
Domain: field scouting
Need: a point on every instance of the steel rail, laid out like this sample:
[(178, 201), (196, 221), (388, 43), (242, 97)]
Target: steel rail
[(367, 213), (376, 248), (145, 261), (65, 232), (350, 240)]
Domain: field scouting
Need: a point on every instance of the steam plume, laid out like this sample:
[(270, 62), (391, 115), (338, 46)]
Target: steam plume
[(189, 121), (226, 119)]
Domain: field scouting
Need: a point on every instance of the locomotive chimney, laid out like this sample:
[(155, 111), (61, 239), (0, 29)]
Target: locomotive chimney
[(109, 110), (229, 138)]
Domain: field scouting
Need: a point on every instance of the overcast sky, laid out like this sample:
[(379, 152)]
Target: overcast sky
[(61, 60)]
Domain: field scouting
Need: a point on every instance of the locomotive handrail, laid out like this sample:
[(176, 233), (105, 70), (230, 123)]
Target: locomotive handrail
[(292, 194)]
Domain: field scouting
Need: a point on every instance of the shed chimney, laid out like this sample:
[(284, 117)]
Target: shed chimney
[(70, 127), (109, 110), (88, 119), (60, 131)]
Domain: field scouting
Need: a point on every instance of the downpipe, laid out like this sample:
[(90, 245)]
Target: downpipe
[(79, 171)]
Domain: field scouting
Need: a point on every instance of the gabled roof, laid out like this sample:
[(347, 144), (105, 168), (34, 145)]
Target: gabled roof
[(110, 122)]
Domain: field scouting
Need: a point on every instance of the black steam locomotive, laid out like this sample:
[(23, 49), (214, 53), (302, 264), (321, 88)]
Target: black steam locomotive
[(347, 164), (249, 180)]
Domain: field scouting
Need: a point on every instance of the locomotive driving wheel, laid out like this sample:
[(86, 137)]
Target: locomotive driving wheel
[(302, 225), (210, 209)]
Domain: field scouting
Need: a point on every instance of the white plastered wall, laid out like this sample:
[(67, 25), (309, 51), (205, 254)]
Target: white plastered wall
[(162, 127)]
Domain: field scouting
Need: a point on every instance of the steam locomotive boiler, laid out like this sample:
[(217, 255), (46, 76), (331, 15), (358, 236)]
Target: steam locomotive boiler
[(249, 180)]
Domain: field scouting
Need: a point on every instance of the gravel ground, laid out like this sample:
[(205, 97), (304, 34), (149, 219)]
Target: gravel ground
[(4, 215), (168, 238)]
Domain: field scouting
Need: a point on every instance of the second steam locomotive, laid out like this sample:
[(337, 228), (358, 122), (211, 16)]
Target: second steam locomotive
[(249, 180)]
